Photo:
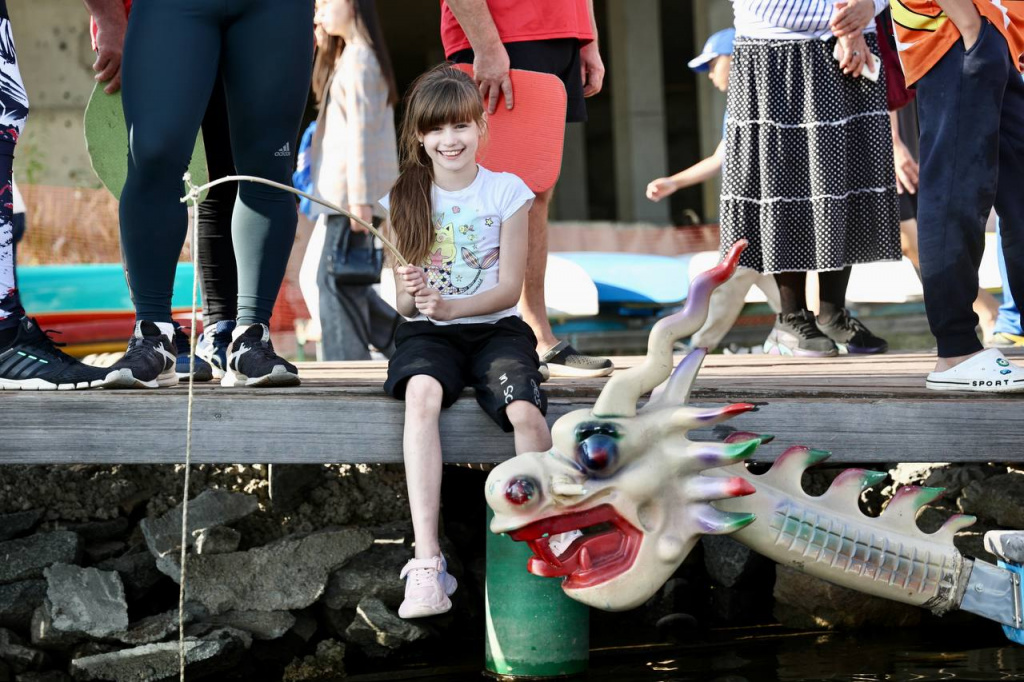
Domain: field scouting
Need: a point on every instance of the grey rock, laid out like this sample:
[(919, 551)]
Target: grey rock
[(26, 558), (18, 601), (305, 626), (138, 572), (290, 574), (221, 650), (48, 676), (997, 499), (803, 601), (953, 478), (327, 665), (86, 600), (45, 636), (19, 523), (103, 550), (154, 628), (374, 573), (19, 658), (211, 508), (261, 625), (101, 531), (217, 540), (289, 483), (375, 625), (728, 562)]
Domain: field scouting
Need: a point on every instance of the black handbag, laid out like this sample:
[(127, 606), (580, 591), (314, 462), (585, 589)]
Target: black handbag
[(356, 259)]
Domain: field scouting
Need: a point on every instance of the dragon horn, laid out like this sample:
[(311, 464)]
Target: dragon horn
[(621, 393), (677, 390)]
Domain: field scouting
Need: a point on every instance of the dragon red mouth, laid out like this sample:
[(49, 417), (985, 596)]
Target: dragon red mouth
[(608, 547)]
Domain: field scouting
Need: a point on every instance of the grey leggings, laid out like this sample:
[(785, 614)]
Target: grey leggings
[(172, 52)]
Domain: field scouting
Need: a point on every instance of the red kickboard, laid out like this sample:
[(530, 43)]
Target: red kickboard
[(527, 140)]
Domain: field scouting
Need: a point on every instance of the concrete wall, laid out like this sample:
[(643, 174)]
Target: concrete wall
[(55, 57)]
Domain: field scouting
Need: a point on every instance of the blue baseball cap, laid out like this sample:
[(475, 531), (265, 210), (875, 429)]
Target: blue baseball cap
[(717, 45)]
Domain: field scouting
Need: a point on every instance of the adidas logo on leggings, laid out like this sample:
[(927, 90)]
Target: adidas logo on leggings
[(286, 150)]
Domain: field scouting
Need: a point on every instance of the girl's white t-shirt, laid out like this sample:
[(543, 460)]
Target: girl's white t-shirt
[(464, 259)]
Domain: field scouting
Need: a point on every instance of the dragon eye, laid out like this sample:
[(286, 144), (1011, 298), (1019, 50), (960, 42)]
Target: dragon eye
[(598, 452), (519, 491)]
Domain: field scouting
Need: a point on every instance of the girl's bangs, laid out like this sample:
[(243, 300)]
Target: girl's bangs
[(453, 102)]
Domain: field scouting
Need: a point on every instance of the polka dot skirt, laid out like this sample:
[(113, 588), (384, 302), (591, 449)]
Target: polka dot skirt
[(808, 177)]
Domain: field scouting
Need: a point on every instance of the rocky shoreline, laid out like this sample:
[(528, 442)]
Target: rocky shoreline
[(294, 570)]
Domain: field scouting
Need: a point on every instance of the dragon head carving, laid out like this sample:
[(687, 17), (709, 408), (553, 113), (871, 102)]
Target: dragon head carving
[(619, 501)]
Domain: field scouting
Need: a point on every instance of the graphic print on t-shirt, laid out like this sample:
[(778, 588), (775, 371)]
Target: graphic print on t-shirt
[(465, 247)]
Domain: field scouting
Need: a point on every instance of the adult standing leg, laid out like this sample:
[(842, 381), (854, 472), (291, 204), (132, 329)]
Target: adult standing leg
[(171, 53), (29, 360), (1010, 209), (1007, 330), (965, 103), (267, 65), (216, 248)]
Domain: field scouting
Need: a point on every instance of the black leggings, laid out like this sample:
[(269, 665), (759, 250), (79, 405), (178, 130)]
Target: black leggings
[(172, 53), (216, 248)]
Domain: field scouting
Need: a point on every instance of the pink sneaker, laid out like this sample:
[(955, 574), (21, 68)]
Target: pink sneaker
[(427, 587)]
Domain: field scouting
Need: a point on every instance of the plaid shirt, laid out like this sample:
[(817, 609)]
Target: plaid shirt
[(354, 152)]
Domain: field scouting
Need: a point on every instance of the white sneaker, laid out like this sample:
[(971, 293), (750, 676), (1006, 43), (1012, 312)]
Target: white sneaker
[(427, 588)]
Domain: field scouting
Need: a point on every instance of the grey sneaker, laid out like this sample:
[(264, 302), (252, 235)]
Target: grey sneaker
[(565, 361), (851, 336), (798, 334)]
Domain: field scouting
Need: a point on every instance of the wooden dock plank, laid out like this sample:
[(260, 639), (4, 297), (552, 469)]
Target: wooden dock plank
[(863, 409)]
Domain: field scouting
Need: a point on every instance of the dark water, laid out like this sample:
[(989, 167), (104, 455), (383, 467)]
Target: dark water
[(769, 654)]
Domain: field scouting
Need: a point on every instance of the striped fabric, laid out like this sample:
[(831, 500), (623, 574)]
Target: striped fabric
[(789, 19)]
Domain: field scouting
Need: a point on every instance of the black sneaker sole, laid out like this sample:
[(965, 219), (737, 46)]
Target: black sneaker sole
[(124, 378)]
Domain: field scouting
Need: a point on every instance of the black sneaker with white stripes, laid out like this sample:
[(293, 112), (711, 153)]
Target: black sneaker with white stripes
[(149, 361), (34, 363), (253, 362)]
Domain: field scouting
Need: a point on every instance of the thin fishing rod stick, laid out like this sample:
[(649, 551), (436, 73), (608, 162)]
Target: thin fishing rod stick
[(194, 193)]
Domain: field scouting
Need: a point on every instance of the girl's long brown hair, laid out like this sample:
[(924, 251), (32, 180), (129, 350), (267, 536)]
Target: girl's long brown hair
[(443, 95), (368, 27)]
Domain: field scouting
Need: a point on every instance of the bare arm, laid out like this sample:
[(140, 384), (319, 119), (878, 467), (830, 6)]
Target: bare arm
[(510, 278), (907, 169), (965, 17), (702, 171), (590, 60), (490, 59), (111, 24)]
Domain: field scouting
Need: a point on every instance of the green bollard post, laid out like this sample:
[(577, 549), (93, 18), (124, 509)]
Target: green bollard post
[(534, 631)]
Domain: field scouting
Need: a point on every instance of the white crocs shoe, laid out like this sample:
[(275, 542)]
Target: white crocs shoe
[(427, 588), (987, 372)]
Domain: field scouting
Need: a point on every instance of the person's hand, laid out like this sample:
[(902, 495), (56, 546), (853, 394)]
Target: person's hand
[(362, 211), (591, 69), (490, 71), (851, 17), (854, 55), (660, 188), (413, 279), (430, 302), (110, 30), (907, 169)]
